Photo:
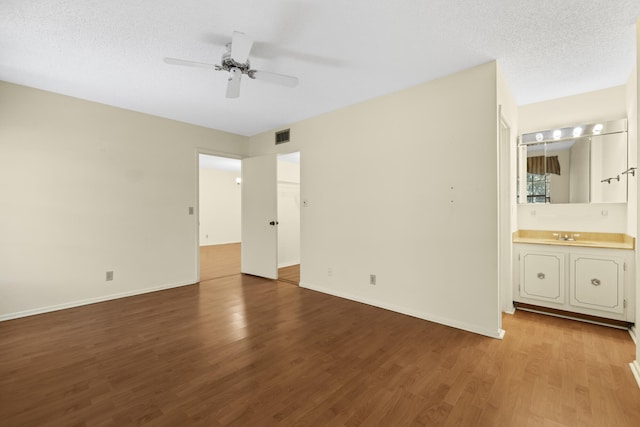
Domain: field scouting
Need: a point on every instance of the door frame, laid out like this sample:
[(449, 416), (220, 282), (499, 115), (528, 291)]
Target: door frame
[(196, 229), (300, 208), (505, 258)]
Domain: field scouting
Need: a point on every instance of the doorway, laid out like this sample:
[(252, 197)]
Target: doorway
[(219, 195), (288, 173)]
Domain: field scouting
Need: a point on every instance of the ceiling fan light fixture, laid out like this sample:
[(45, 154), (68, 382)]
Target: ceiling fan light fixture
[(235, 74), (235, 61)]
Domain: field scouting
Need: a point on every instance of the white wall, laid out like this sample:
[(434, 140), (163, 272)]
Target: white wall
[(593, 217), (405, 186), (602, 105), (288, 213), (219, 207), (88, 188)]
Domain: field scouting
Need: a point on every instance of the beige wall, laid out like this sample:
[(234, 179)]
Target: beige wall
[(600, 105), (405, 186), (88, 188), (219, 207)]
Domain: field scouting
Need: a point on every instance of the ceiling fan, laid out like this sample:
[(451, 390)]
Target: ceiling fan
[(236, 61)]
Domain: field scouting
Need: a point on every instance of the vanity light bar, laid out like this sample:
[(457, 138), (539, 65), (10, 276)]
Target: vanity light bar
[(573, 132)]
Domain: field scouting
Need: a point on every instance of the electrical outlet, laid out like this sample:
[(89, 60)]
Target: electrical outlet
[(372, 279), (109, 276)]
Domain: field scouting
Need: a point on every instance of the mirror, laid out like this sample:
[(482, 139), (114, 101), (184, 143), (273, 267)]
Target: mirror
[(587, 165), (609, 168)]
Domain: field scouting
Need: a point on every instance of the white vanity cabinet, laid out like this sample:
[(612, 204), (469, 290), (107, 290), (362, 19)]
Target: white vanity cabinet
[(597, 282), (542, 276), (592, 281)]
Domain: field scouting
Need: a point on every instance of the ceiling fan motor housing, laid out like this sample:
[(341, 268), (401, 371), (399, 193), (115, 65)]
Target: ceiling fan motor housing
[(228, 63)]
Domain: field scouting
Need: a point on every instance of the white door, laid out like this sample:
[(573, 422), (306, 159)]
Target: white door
[(259, 216)]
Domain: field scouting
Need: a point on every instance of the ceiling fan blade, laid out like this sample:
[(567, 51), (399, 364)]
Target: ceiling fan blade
[(279, 79), (175, 61), (240, 47), (233, 85)]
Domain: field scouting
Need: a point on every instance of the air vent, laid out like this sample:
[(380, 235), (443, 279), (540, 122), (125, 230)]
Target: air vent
[(282, 136)]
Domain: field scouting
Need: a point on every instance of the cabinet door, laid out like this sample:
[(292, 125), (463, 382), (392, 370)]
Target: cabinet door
[(542, 276), (597, 282)]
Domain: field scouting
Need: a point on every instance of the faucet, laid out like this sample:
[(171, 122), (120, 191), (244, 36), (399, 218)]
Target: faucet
[(569, 237)]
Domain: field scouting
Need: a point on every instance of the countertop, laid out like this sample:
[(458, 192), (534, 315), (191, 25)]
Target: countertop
[(587, 239)]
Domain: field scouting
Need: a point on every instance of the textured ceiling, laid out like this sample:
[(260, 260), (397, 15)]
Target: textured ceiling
[(343, 52)]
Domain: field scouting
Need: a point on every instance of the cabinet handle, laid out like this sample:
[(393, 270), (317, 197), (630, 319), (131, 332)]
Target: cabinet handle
[(595, 282), (540, 276)]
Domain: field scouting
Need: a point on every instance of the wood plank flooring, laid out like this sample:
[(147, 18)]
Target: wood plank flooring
[(224, 260), (244, 351), (290, 274), (219, 261)]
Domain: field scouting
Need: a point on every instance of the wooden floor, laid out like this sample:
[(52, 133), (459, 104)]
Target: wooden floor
[(224, 260), (219, 261), (245, 351), (290, 274)]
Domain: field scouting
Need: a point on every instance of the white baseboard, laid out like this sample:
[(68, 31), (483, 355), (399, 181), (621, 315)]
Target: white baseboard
[(202, 245), (632, 332), (288, 264), (510, 310), (78, 303), (635, 368), (499, 334)]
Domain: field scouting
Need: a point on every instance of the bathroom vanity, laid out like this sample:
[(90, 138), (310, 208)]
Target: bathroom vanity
[(586, 273), (567, 172)]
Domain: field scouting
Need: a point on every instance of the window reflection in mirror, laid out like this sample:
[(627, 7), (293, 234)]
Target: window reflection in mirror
[(567, 166)]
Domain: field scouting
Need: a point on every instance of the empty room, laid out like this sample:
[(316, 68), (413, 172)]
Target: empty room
[(293, 212)]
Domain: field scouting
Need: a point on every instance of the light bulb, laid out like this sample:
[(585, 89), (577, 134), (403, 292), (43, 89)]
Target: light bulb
[(557, 134), (597, 128), (577, 131), (539, 137)]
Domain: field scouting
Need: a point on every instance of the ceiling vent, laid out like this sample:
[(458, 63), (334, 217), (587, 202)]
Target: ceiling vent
[(282, 136)]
